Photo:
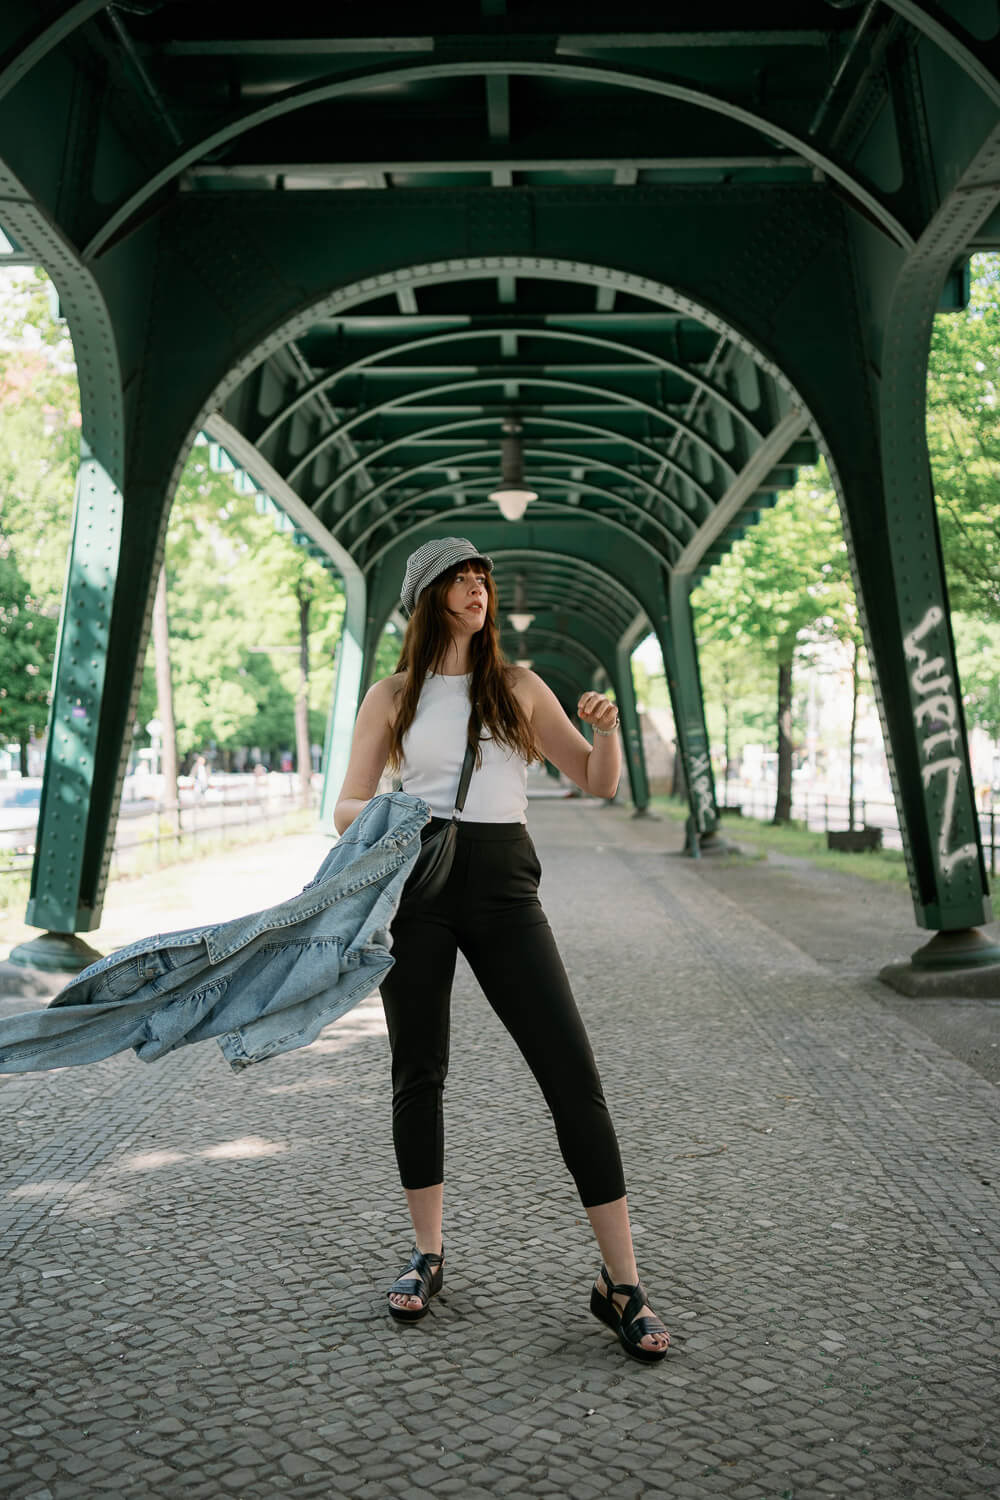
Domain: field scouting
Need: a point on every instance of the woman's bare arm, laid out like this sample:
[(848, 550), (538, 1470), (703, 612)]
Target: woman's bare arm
[(369, 753), (596, 768)]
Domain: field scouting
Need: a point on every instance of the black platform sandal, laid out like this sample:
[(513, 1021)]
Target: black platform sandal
[(629, 1327), (423, 1278)]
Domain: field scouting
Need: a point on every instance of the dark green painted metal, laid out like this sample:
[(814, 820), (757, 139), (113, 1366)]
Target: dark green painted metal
[(907, 610), (775, 314), (378, 455), (518, 329), (667, 543), (546, 382), (680, 658), (631, 732), (302, 98), (340, 525), (63, 898)]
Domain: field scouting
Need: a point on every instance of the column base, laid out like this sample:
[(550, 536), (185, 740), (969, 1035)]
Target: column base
[(55, 952), (964, 964), (644, 812), (714, 843)]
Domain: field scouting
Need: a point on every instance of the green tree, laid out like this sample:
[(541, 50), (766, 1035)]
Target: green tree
[(234, 586), (39, 435), (739, 700), (977, 647), (27, 647), (963, 435), (789, 574)]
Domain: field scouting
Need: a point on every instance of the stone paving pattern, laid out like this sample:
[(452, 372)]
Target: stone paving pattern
[(195, 1261)]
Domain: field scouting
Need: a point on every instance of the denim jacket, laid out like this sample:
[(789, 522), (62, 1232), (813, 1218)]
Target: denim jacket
[(261, 984)]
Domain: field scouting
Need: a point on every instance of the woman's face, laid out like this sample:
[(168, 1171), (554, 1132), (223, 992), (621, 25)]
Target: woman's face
[(466, 600)]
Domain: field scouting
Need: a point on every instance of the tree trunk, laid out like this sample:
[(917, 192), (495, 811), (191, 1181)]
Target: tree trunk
[(23, 745), (854, 734), (303, 744), (165, 694), (725, 711), (783, 803)]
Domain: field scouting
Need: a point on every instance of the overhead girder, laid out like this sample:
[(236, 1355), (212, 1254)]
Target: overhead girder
[(391, 518), (616, 398), (966, 51), (539, 268), (340, 524), (339, 519), (575, 272), (874, 205), (556, 594), (578, 635), (569, 648), (639, 357)]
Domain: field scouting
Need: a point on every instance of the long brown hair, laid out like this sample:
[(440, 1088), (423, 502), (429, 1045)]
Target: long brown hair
[(425, 649)]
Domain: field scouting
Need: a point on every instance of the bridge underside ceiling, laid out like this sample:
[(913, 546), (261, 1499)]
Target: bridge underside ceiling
[(632, 417), (386, 414), (680, 256)]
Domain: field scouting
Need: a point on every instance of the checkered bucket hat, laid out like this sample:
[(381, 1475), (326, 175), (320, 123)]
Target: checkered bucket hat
[(433, 559)]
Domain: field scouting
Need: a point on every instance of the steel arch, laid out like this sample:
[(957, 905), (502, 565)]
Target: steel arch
[(304, 95)]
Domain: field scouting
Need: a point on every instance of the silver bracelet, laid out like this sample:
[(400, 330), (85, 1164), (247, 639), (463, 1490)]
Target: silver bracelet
[(612, 730)]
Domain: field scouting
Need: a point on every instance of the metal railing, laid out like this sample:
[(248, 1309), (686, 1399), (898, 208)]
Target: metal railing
[(822, 813), (229, 810)]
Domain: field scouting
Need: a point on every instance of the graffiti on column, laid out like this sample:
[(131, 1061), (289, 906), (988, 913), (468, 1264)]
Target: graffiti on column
[(938, 706), (701, 786)]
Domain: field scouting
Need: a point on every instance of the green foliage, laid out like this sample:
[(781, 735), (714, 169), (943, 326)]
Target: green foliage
[(39, 436), (650, 687), (387, 654), (789, 574), (27, 646), (232, 581), (977, 647), (739, 694), (963, 435), (232, 576)]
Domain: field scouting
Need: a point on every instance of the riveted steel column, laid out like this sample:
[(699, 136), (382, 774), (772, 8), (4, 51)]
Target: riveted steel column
[(635, 757), (78, 687), (60, 900), (899, 565), (675, 630), (346, 698)]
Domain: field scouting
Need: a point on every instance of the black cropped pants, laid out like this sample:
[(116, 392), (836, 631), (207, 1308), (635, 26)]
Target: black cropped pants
[(490, 910)]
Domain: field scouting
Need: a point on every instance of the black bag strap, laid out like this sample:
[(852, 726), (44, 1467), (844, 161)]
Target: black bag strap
[(468, 765)]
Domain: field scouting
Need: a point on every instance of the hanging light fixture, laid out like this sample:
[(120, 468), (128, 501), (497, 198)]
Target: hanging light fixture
[(512, 495), (520, 619)]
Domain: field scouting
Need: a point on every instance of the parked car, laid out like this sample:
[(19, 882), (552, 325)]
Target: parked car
[(19, 802)]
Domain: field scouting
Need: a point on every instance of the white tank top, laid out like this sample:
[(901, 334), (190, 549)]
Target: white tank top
[(433, 751)]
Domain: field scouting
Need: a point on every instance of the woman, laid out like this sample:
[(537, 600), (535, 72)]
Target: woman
[(418, 721)]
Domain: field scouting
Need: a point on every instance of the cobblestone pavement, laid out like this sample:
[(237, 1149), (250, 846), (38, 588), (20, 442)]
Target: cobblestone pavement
[(195, 1261)]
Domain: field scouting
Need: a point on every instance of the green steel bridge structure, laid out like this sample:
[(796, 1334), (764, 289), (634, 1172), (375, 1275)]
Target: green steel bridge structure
[(686, 249)]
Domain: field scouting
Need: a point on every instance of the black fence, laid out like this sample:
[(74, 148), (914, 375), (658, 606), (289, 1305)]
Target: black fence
[(225, 815), (822, 813)]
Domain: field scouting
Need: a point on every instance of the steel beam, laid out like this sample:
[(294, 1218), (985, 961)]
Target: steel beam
[(306, 95), (631, 729)]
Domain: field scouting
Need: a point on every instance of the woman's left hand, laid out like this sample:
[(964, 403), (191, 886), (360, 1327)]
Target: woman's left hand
[(597, 711)]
